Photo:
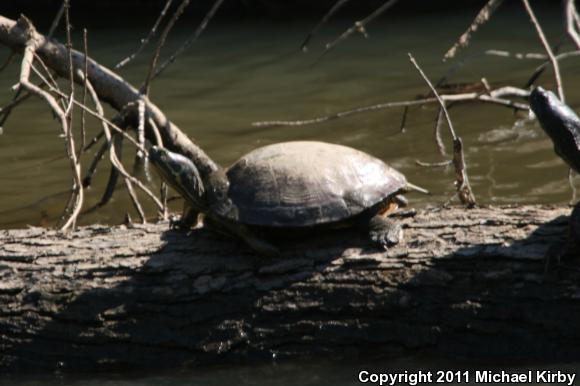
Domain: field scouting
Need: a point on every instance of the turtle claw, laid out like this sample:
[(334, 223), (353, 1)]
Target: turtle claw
[(384, 233), (175, 223)]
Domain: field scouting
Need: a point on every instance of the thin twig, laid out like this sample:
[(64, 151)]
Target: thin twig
[(482, 17), (47, 71), (495, 98), (27, 60), (156, 133), (547, 48), (88, 179), (441, 164), (56, 20), (404, 120), (103, 119), (202, 26), (16, 100), (8, 60), (140, 164), (516, 55), (464, 191), (146, 40), (112, 154), (359, 26), (69, 138), (335, 8), (538, 71), (441, 103), (163, 192), (95, 139), (118, 149), (437, 133), (85, 77), (571, 175), (135, 201), (571, 25), (144, 89)]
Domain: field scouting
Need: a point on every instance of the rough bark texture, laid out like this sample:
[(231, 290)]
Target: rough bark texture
[(465, 283)]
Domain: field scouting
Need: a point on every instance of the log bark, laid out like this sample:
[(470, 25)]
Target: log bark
[(464, 283)]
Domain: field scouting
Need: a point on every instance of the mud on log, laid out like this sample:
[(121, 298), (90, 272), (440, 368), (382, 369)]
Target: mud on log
[(464, 283)]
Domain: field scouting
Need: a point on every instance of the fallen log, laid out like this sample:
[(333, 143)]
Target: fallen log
[(464, 283)]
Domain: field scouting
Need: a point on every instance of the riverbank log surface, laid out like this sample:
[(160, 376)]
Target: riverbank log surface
[(464, 283)]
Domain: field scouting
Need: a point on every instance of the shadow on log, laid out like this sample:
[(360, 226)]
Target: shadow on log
[(463, 284)]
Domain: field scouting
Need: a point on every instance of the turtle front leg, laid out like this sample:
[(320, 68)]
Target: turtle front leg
[(384, 232), (189, 218)]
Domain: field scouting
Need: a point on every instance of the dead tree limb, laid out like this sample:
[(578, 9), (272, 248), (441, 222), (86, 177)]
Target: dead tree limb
[(547, 48), (466, 284), (572, 22), (482, 17), (31, 46), (462, 185), (497, 96), (146, 39), (110, 88)]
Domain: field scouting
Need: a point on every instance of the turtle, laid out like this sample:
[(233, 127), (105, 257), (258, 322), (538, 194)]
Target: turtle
[(562, 125), (289, 186)]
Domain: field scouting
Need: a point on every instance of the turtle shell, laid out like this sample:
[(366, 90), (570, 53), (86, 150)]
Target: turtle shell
[(296, 184)]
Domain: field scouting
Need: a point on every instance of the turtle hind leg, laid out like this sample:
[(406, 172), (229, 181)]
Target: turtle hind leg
[(261, 246), (384, 232)]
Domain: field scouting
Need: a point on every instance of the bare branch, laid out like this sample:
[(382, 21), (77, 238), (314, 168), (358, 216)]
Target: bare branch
[(571, 25), (359, 26), (437, 133), (146, 40), (202, 26), (84, 100), (27, 60), (335, 8), (135, 201), (16, 100), (402, 128), (571, 175), (112, 154), (541, 68), (497, 97), (163, 191), (145, 87), (95, 139), (8, 60), (547, 48), (56, 20), (482, 17), (88, 179), (516, 55), (442, 164), (156, 133), (464, 191)]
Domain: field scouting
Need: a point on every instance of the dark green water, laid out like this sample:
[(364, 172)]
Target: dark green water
[(241, 72)]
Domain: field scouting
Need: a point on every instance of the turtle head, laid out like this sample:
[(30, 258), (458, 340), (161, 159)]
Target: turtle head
[(555, 117), (561, 124), (544, 102), (180, 173)]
